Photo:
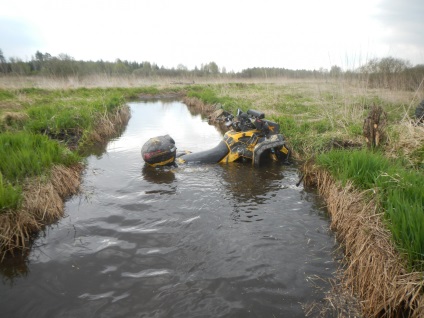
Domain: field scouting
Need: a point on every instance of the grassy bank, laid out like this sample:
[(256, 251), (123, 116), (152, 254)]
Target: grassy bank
[(24, 156), (399, 193), (377, 211)]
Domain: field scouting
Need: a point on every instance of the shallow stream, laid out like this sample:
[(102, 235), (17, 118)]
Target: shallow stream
[(193, 241)]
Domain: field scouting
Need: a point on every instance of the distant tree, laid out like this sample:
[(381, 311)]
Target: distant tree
[(182, 67), (2, 58), (213, 68), (63, 65), (387, 65), (370, 67), (147, 69), (19, 67), (39, 56), (65, 57), (3, 66), (390, 72), (120, 67), (391, 65), (210, 68), (335, 71), (39, 61), (323, 70)]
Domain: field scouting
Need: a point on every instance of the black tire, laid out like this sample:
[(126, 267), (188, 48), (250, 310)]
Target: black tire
[(419, 112)]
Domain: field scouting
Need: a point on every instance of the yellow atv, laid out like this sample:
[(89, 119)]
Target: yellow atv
[(251, 137)]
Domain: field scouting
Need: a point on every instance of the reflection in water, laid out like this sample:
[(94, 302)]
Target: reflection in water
[(245, 182), (250, 191), (162, 119), (14, 266), (158, 175), (187, 241)]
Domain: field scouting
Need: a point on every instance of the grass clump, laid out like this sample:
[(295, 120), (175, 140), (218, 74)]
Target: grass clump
[(402, 198), (25, 155), (399, 191), (10, 196), (209, 95)]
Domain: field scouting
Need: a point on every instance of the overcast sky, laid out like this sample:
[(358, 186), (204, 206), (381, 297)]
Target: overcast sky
[(235, 34)]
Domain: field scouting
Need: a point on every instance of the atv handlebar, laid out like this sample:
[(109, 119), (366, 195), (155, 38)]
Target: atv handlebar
[(246, 121), (256, 114)]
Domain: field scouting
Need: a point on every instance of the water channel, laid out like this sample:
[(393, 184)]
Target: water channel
[(193, 241)]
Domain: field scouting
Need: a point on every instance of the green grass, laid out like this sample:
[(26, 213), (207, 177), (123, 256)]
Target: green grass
[(6, 94), (209, 96), (66, 111), (361, 167), (26, 155), (10, 196), (400, 193), (70, 114)]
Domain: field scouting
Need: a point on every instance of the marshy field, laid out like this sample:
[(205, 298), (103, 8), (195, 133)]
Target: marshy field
[(360, 147)]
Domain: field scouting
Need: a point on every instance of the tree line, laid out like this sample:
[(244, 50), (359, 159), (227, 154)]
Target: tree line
[(64, 65), (388, 72)]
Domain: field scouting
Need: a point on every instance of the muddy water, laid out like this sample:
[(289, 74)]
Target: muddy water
[(194, 241)]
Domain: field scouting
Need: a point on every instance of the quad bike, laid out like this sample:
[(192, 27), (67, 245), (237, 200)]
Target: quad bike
[(251, 137)]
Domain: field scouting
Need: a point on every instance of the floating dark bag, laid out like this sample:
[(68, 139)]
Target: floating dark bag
[(159, 151)]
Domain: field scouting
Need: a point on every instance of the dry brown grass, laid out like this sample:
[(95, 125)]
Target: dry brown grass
[(9, 118), (110, 125), (17, 82), (373, 269), (10, 106), (197, 106), (337, 302), (410, 137), (46, 82)]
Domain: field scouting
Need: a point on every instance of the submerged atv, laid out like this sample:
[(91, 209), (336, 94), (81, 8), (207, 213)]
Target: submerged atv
[(251, 137)]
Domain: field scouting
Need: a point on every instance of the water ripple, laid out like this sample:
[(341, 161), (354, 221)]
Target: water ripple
[(146, 273)]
